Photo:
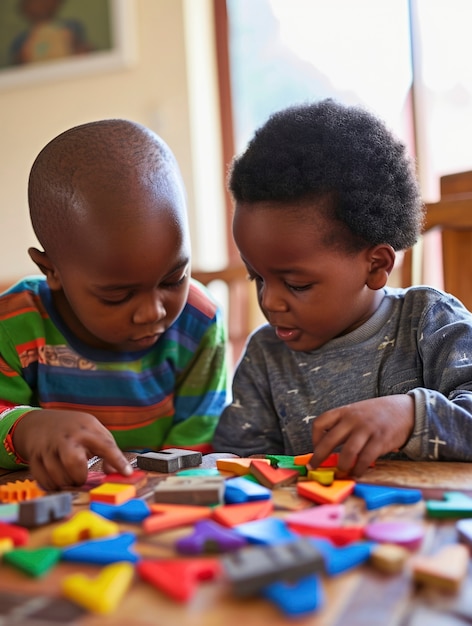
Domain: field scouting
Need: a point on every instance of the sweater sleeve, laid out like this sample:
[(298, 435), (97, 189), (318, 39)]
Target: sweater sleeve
[(201, 392), (249, 425), (16, 398), (443, 427)]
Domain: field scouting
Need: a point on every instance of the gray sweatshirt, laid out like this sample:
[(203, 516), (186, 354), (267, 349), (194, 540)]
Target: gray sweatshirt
[(419, 342)]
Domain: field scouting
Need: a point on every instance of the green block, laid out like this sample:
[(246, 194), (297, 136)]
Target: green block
[(35, 562), (455, 504)]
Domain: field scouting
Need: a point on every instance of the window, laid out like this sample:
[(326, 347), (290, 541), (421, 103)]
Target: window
[(407, 60)]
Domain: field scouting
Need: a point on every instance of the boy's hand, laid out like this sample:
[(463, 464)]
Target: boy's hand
[(365, 430), (57, 445)]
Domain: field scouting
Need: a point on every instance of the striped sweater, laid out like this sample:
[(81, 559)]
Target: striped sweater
[(168, 395)]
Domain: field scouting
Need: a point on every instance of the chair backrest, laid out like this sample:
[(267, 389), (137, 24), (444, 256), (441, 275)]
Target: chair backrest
[(238, 303), (452, 215)]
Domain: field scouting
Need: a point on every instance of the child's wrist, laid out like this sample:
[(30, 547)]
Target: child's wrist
[(9, 444)]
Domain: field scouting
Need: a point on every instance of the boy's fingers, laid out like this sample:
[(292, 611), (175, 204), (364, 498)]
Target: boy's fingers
[(114, 458), (104, 446)]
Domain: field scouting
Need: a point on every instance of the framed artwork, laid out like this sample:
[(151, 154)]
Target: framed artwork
[(42, 40)]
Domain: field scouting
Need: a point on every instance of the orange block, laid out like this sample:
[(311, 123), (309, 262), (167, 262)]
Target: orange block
[(330, 461), (233, 514), (337, 492), (166, 516), (272, 477), (112, 493), (237, 466), (20, 490)]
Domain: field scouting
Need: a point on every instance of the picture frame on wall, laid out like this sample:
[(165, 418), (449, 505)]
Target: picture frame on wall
[(46, 40)]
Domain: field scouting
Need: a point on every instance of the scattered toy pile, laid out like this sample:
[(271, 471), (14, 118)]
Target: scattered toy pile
[(238, 534)]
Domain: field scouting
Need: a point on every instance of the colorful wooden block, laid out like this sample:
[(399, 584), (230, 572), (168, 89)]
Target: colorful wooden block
[(251, 569), (20, 490), (35, 562), (199, 490), (210, 537), (285, 461), (326, 520), (330, 461), (167, 516), (233, 514), (455, 504), (446, 569), (376, 496), (9, 512), (103, 551), (199, 471), (103, 593), (272, 477), (297, 599), (138, 478), (45, 510), (84, 525), (17, 534), (331, 494), (240, 489), (178, 578), (134, 510), (403, 533), (464, 531), (112, 493), (237, 466), (268, 531), (389, 558), (169, 460), (341, 559), (6, 544), (324, 475)]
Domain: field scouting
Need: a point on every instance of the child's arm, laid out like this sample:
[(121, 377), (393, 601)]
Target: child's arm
[(201, 393), (432, 421), (57, 445)]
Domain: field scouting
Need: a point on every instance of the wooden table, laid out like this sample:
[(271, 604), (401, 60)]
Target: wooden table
[(361, 597)]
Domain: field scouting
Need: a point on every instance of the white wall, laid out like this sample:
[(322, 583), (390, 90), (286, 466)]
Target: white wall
[(155, 91)]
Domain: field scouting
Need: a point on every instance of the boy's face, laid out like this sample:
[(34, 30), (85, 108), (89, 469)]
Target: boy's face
[(125, 280), (308, 292)]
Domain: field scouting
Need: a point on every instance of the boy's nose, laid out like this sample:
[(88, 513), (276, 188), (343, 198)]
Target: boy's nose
[(151, 309), (270, 299)]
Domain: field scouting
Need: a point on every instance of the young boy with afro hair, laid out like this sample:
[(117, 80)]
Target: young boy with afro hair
[(324, 196), (115, 348)]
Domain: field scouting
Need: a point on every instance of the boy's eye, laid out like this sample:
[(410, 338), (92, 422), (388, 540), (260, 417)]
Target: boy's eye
[(299, 287), (174, 284), (120, 300), (252, 277)]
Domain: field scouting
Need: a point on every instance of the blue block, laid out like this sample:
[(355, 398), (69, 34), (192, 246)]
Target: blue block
[(103, 551), (296, 599), (376, 496), (133, 510), (270, 531), (239, 490), (341, 559)]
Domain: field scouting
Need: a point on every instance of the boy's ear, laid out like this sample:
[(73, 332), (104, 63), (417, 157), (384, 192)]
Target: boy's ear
[(46, 266), (381, 262)]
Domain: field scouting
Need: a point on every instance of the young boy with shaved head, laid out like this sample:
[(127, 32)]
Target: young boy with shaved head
[(116, 347)]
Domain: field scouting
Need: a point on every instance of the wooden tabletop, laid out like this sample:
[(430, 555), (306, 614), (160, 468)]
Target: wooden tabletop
[(361, 597)]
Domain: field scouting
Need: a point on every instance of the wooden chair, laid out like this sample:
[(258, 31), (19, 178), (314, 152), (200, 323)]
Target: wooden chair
[(453, 216), (238, 303)]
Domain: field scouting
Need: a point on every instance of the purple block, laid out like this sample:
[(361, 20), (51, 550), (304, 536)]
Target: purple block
[(209, 536)]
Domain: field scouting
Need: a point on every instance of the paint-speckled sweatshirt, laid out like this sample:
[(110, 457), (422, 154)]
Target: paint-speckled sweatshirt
[(418, 342)]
